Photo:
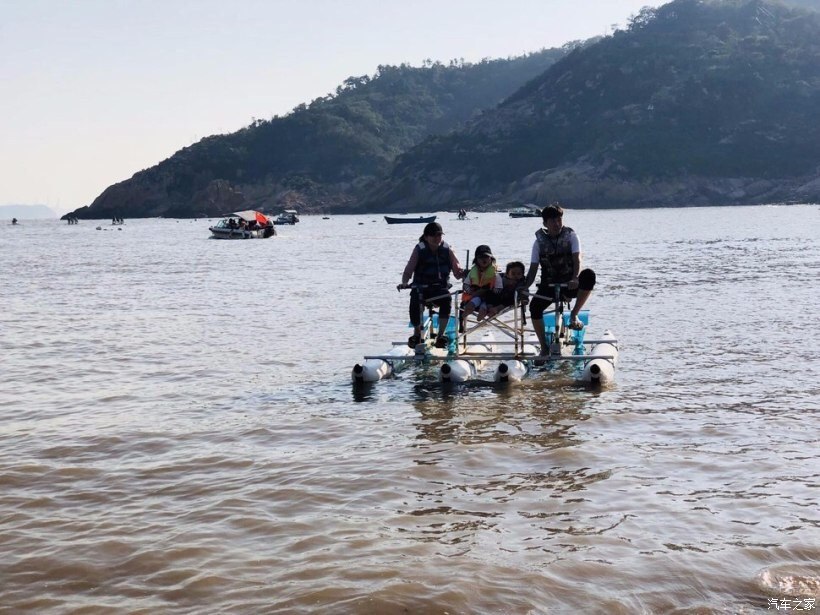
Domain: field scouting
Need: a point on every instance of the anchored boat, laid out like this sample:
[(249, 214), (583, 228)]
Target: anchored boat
[(527, 211), (289, 216), (418, 220)]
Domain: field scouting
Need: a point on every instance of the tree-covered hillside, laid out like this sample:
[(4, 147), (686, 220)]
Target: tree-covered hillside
[(323, 153), (710, 90), (696, 102)]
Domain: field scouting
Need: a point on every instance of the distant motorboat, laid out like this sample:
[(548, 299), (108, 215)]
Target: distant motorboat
[(419, 220), (248, 224), (289, 216), (527, 211)]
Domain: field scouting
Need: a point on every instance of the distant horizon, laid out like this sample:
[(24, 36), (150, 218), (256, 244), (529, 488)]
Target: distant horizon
[(6, 215), (22, 211)]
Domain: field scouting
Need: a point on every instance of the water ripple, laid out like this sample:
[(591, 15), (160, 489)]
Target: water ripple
[(175, 437)]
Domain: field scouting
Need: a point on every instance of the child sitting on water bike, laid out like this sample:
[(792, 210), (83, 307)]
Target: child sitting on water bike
[(512, 281), (479, 284)]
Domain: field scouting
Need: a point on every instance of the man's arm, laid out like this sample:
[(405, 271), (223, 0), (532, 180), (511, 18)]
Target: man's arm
[(576, 270), (531, 274), (533, 265)]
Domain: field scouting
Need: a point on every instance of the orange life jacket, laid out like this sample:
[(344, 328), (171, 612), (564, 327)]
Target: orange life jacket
[(480, 279)]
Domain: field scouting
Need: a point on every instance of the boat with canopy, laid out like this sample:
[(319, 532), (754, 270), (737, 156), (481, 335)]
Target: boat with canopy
[(247, 224)]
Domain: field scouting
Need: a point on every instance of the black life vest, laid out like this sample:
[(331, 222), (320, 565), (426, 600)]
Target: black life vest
[(555, 255), (433, 268), (507, 294)]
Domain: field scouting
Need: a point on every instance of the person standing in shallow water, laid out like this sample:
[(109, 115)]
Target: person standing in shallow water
[(430, 265), (557, 252)]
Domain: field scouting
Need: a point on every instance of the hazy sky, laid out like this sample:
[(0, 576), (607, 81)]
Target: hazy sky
[(95, 90)]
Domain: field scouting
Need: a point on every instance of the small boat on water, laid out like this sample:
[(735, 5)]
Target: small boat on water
[(527, 211), (289, 216), (248, 224), (418, 220), (505, 345)]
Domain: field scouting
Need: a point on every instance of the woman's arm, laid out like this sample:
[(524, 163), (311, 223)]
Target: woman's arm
[(410, 268)]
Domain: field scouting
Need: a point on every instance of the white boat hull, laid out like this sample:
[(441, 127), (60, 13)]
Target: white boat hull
[(514, 370), (226, 233), (462, 370), (601, 371), (459, 370), (373, 370)]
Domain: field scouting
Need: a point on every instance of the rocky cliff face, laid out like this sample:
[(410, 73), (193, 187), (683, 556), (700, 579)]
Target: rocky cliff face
[(149, 198), (583, 186), (133, 199)]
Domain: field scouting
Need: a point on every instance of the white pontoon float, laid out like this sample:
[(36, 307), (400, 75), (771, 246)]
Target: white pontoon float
[(502, 339)]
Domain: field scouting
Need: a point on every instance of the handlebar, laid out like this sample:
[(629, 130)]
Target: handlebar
[(400, 287), (556, 287)]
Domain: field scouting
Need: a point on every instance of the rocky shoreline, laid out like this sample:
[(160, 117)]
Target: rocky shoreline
[(583, 186), (578, 186)]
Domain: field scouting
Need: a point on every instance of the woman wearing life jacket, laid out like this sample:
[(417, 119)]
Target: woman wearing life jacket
[(430, 265), (557, 251)]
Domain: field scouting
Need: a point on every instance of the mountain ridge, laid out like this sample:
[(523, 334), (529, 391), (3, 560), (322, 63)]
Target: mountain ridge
[(694, 103), (321, 155)]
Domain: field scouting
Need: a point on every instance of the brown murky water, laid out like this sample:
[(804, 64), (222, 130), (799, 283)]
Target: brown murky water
[(178, 433)]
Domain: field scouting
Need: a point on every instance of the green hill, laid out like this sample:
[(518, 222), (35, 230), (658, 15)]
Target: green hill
[(322, 155), (694, 103)]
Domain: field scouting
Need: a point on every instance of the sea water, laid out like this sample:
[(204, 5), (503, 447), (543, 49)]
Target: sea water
[(178, 431)]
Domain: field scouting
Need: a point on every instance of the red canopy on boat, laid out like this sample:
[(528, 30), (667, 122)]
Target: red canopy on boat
[(249, 215)]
